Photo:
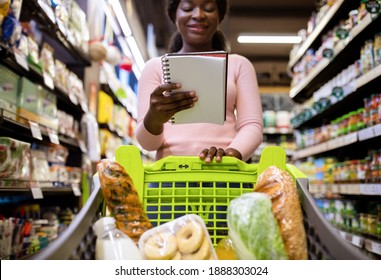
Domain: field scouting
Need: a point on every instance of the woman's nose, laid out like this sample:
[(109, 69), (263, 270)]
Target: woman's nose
[(198, 12)]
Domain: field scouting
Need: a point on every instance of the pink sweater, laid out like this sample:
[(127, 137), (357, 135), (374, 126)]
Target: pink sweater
[(241, 131)]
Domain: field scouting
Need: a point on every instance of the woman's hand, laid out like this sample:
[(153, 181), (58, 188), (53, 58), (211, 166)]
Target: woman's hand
[(209, 154), (164, 104)]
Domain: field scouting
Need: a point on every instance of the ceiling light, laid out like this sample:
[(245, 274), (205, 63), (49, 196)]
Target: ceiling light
[(269, 39), (118, 10), (136, 52)]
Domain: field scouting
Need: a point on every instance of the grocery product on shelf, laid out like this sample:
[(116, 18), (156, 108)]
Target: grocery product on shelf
[(338, 124), (14, 159)]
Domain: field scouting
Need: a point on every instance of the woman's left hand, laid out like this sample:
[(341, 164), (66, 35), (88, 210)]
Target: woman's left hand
[(218, 153)]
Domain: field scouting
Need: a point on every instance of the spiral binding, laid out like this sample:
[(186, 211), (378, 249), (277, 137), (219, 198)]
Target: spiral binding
[(166, 70), (166, 76)]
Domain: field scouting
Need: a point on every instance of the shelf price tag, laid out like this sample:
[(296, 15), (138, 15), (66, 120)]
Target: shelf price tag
[(82, 146), (36, 193), (73, 98), (48, 80), (373, 6), (377, 129), (342, 33), (53, 137), (48, 11), (366, 133), (357, 241), (36, 130), (61, 26), (328, 53), (370, 189), (373, 246), (76, 190)]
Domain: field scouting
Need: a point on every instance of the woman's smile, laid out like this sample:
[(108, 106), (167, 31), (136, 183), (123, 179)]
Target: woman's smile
[(197, 28)]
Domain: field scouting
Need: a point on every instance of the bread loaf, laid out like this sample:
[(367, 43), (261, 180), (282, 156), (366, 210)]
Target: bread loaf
[(280, 186), (122, 199)]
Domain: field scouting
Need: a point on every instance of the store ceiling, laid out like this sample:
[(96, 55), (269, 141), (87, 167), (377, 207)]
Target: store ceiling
[(246, 16)]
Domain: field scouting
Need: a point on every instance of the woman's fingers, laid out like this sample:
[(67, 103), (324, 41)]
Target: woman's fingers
[(209, 154), (218, 153)]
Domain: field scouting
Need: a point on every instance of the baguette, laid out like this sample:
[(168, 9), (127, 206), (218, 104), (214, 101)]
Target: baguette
[(122, 199), (280, 186)]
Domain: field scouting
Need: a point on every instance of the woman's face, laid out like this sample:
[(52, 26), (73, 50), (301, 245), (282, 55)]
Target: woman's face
[(197, 21)]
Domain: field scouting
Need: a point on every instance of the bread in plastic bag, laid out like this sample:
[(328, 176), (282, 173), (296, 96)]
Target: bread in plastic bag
[(280, 186), (122, 199)]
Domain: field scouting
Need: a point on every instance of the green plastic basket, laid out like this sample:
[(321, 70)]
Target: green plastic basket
[(175, 186)]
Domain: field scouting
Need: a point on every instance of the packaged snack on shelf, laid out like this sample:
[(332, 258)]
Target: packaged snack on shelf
[(47, 59), (14, 159), (185, 238), (62, 75), (40, 166), (57, 154)]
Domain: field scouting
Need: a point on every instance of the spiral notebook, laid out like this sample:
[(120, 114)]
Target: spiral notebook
[(206, 74)]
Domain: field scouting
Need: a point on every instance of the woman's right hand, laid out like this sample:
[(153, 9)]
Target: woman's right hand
[(164, 104)]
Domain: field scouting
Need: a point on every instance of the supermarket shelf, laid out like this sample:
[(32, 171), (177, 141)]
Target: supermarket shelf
[(22, 127), (369, 245), (342, 141), (296, 90), (70, 102), (372, 246), (352, 98), (327, 146), (41, 12), (314, 36), (347, 188), (274, 130), (46, 191), (328, 67), (368, 77), (354, 239)]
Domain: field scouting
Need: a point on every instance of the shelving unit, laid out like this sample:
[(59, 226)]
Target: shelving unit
[(327, 67), (25, 192), (352, 145)]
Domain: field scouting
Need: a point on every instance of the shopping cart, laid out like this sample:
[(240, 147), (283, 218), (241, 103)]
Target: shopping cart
[(174, 186)]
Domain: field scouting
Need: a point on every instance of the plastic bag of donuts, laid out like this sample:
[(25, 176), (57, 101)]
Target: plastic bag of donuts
[(185, 238)]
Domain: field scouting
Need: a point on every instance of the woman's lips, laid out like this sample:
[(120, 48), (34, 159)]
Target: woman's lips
[(197, 28)]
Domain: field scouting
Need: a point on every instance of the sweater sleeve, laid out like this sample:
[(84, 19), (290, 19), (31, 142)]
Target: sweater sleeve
[(248, 109), (150, 78)]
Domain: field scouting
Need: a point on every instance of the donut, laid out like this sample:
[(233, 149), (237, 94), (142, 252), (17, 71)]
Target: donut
[(177, 256), (161, 246), (201, 254), (189, 237)]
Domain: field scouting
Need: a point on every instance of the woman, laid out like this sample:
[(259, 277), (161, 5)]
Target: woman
[(197, 23)]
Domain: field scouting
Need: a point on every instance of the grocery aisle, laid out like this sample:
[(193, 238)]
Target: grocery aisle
[(336, 80), (68, 100)]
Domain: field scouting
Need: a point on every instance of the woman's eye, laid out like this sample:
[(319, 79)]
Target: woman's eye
[(210, 8), (186, 8)]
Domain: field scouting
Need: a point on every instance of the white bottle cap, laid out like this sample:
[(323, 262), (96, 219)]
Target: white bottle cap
[(100, 225)]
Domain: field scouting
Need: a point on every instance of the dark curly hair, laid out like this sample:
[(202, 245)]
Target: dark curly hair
[(219, 39)]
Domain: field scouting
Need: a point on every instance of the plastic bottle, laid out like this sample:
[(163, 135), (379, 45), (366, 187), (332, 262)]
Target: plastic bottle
[(112, 243)]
